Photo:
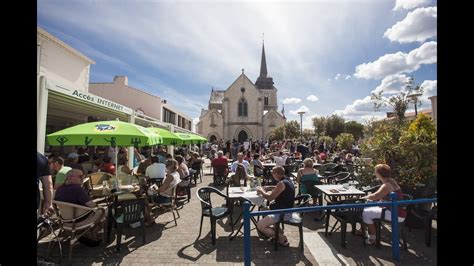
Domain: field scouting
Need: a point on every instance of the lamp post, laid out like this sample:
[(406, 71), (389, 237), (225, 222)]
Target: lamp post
[(301, 113), (414, 97)]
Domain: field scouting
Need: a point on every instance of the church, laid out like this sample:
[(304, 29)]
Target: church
[(244, 111)]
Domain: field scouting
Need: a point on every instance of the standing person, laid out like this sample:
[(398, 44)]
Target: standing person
[(382, 173), (43, 173), (284, 196)]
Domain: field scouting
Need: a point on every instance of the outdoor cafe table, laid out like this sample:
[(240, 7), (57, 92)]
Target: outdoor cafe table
[(336, 191), (244, 194)]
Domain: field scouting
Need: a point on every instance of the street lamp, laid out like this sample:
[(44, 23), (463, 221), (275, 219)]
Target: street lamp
[(301, 113), (414, 97)]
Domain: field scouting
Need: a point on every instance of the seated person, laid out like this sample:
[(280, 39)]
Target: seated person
[(195, 162), (73, 192), (284, 196), (72, 161), (183, 173), (156, 170), (280, 160), (306, 173), (108, 166), (382, 173), (143, 165), (165, 192), (257, 165), (349, 160), (240, 174), (56, 164), (220, 160), (123, 168), (240, 159)]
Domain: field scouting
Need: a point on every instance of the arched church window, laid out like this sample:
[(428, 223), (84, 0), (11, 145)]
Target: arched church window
[(242, 107), (265, 99)]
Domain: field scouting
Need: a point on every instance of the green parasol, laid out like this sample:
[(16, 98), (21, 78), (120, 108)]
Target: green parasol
[(189, 138), (105, 133), (169, 138)]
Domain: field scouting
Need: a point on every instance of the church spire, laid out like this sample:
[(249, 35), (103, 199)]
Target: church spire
[(263, 64)]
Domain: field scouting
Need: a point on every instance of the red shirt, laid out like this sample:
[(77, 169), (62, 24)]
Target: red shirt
[(219, 161), (109, 168)]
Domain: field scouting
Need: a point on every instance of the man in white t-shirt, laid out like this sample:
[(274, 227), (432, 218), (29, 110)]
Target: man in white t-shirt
[(240, 159), (156, 170), (280, 160)]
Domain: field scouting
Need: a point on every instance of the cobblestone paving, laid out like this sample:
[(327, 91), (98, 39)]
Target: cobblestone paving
[(167, 244)]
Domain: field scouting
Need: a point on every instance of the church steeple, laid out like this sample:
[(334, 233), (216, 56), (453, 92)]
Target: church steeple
[(264, 81), (263, 64)]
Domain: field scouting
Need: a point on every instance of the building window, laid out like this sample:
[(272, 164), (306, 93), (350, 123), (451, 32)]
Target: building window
[(189, 125), (169, 116), (265, 99), (242, 107), (179, 121)]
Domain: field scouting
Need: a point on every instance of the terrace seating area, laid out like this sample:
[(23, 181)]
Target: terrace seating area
[(170, 243)]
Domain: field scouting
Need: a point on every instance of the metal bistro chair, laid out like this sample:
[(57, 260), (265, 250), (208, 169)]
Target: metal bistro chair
[(126, 212), (296, 219), (77, 220), (199, 171), (338, 178), (381, 220), (214, 213)]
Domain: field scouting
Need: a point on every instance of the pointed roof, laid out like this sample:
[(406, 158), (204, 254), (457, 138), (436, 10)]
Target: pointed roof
[(264, 81), (263, 64)]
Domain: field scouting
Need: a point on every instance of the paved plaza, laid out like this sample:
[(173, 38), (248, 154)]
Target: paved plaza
[(167, 244)]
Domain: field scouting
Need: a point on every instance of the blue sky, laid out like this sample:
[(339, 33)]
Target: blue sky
[(325, 57)]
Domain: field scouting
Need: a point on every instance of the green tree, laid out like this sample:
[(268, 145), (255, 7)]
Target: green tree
[(418, 146), (319, 124), (292, 131), (326, 139), (345, 141), (354, 128), (334, 125)]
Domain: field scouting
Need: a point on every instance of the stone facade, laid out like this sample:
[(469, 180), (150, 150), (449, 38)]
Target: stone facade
[(243, 111)]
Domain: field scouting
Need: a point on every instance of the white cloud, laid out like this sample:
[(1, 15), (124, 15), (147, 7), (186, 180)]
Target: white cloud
[(391, 84), (291, 100), (418, 26), (410, 4), (301, 109), (329, 80), (430, 88), (425, 54), (398, 62), (347, 77), (360, 110), (337, 76), (312, 98)]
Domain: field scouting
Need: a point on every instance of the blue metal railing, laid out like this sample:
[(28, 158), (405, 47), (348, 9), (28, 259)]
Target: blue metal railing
[(394, 219)]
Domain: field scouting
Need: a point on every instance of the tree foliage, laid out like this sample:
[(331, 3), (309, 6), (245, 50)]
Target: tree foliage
[(326, 139), (319, 124), (355, 129), (292, 131), (409, 149), (345, 141), (334, 125)]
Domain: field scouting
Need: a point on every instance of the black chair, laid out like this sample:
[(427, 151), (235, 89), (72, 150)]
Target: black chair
[(327, 169), (338, 178), (214, 213), (185, 180), (296, 219), (314, 192), (345, 216), (198, 167), (381, 220), (127, 212), (220, 174)]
